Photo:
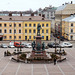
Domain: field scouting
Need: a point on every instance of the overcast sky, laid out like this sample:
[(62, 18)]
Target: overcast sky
[(22, 5)]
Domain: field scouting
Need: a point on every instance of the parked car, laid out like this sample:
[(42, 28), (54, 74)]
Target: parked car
[(28, 46), (11, 46), (50, 44), (66, 44), (53, 45), (4, 46), (56, 45), (18, 44)]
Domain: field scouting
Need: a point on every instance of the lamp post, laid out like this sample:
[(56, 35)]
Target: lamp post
[(55, 38)]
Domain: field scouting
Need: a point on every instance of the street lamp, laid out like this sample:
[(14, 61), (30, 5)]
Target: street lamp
[(55, 38)]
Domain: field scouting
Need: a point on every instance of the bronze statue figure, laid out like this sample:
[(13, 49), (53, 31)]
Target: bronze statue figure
[(38, 29), (33, 45), (43, 46)]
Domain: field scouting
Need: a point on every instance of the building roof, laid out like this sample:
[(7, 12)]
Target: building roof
[(70, 19), (22, 18), (66, 9)]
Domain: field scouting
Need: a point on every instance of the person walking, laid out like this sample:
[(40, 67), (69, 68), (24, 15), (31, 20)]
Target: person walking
[(54, 61)]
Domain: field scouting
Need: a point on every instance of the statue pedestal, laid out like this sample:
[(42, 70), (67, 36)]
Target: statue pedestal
[(38, 40), (38, 55)]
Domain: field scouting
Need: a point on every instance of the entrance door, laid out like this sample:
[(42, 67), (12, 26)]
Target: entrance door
[(1, 38), (46, 37), (71, 37), (25, 37)]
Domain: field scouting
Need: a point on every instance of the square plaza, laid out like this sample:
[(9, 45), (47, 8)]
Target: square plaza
[(8, 67)]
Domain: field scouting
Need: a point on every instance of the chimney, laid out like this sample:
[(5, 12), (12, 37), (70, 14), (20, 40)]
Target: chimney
[(32, 14), (71, 2)]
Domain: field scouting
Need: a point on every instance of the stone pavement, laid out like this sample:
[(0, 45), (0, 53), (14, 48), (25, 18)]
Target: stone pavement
[(8, 67)]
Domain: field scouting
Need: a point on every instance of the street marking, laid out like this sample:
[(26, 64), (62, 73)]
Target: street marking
[(71, 55), (61, 70), (70, 65), (46, 69), (4, 68), (18, 69), (32, 70)]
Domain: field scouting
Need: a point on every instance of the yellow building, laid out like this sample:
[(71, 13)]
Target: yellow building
[(69, 27), (62, 12), (24, 27)]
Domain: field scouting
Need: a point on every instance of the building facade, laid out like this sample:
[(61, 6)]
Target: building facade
[(48, 13), (62, 12), (69, 27), (23, 27)]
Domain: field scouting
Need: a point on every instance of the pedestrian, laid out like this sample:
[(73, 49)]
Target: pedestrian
[(5, 53), (54, 61)]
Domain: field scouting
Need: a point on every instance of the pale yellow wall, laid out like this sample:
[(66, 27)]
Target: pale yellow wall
[(12, 28), (22, 34), (67, 29), (32, 28)]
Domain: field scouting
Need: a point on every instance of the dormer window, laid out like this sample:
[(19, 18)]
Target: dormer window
[(30, 18), (42, 18), (10, 18), (0, 18)]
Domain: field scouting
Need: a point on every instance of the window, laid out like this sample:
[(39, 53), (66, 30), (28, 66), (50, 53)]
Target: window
[(25, 30), (5, 31), (51, 13), (14, 30), (29, 30), (14, 37), (71, 30), (34, 31), (42, 31), (42, 25), (10, 31), (34, 37), (71, 24), (10, 37), (25, 25), (42, 37), (19, 30), (19, 37), (34, 25), (46, 25), (0, 25), (5, 37), (19, 25), (29, 25), (29, 37), (46, 31), (10, 25), (4, 25), (0, 30), (14, 25)]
